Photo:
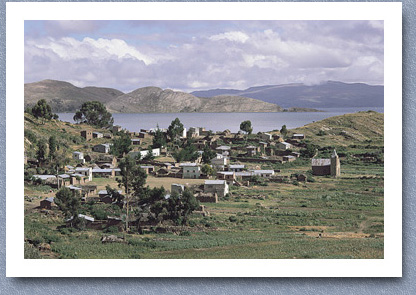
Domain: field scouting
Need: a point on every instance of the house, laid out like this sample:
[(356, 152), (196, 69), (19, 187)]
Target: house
[(135, 141), (155, 153), (223, 150), (265, 136), (108, 135), (220, 187), (236, 168), (98, 172), (263, 173), (78, 156), (64, 179), (88, 190), (251, 150), (190, 170), (86, 134), (175, 187), (116, 129), (301, 177), (298, 136), (102, 148), (283, 146), (46, 203), (85, 171), (244, 175), (105, 197), (321, 167), (229, 176), (184, 133), (45, 178), (207, 197), (220, 162), (329, 166), (192, 132), (289, 158), (87, 219), (144, 135), (148, 169), (97, 135)]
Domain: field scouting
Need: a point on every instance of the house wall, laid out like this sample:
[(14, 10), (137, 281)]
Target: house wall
[(321, 170), (191, 172)]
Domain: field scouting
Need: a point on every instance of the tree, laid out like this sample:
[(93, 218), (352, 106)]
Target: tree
[(246, 127), (149, 156), (52, 147), (159, 140), (42, 151), (121, 145), (283, 131), (208, 170), (174, 208), (309, 151), (187, 153), (42, 110), (69, 203), (175, 129), (189, 204), (208, 155), (115, 195), (133, 179), (94, 113)]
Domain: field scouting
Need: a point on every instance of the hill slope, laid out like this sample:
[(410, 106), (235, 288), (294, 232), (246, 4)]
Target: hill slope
[(156, 100), (346, 129), (65, 97), (327, 95)]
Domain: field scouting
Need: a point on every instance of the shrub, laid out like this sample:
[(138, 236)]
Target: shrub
[(185, 233), (111, 229), (232, 219)]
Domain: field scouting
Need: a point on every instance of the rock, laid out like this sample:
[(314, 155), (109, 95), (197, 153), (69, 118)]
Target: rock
[(44, 247), (112, 239)]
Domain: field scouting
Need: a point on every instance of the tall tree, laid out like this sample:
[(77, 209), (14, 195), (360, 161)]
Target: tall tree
[(159, 140), (42, 110), (208, 170), (133, 179), (52, 147), (121, 145), (246, 127), (283, 131), (189, 204), (175, 129), (208, 155), (69, 203), (94, 113), (42, 151)]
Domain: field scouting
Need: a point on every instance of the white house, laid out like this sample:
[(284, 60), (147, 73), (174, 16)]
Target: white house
[(220, 162), (224, 150), (86, 171), (236, 168), (190, 170), (263, 173), (102, 148), (266, 136), (283, 146), (220, 187)]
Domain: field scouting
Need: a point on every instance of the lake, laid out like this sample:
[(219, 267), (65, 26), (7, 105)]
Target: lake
[(221, 121)]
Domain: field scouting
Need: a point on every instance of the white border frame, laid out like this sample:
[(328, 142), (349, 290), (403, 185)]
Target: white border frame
[(390, 266)]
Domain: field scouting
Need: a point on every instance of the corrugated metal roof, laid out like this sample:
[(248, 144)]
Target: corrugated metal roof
[(236, 166), (321, 162), (44, 177), (215, 181)]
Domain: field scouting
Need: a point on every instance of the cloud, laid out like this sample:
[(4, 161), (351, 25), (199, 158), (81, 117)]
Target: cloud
[(237, 54), (230, 36)]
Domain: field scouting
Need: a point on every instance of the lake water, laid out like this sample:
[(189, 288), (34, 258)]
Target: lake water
[(221, 121)]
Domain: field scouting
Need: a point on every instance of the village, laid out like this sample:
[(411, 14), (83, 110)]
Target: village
[(192, 181)]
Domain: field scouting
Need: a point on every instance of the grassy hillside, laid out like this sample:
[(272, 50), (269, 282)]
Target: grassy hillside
[(361, 127)]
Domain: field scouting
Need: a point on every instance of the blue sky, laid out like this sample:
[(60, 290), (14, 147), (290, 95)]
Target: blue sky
[(196, 55)]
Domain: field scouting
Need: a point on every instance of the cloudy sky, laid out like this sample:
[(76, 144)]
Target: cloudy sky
[(197, 55)]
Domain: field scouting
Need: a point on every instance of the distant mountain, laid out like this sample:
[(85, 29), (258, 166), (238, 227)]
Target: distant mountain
[(65, 97), (157, 100), (330, 94)]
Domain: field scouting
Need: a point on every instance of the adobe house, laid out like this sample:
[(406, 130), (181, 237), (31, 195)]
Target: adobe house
[(175, 187), (97, 135), (86, 134), (101, 148), (135, 141), (47, 203), (265, 136), (148, 169), (229, 176), (236, 168), (298, 136), (283, 146), (251, 150), (331, 166), (116, 129), (220, 187), (207, 197), (289, 158)]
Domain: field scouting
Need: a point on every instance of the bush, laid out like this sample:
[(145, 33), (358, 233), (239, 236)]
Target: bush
[(185, 233), (232, 219), (111, 229)]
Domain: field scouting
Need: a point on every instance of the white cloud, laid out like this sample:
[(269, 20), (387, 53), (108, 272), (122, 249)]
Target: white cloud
[(70, 49), (234, 36)]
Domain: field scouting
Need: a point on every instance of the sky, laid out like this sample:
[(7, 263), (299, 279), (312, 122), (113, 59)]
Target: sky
[(199, 55)]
